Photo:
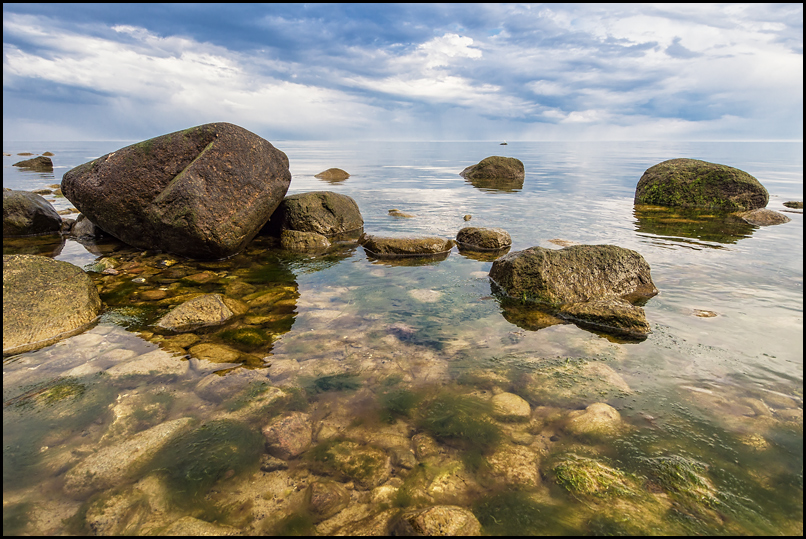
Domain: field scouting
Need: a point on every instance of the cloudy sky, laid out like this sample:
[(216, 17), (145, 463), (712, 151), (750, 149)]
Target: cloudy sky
[(405, 72)]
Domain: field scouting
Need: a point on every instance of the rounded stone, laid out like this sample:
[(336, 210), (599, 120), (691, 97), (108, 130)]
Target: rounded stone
[(303, 242), (598, 419), (28, 214), (288, 436), (206, 310), (483, 239), (506, 168), (699, 184), (438, 520), (511, 407), (322, 212), (402, 247), (764, 217), (44, 300), (333, 175)]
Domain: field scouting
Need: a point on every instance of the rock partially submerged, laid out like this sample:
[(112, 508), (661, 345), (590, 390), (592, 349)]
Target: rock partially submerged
[(303, 242), (483, 239), (699, 184), (28, 214), (764, 217), (593, 285), (405, 247), (37, 164), (794, 204), (44, 301), (505, 168), (203, 193), (333, 175), (322, 212)]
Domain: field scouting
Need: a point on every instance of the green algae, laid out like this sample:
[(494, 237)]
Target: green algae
[(517, 513), (460, 419), (198, 459), (335, 382), (591, 477)]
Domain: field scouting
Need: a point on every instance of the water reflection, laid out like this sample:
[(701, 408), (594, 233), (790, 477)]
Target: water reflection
[(420, 260), (483, 256), (703, 225), (496, 185), (46, 245)]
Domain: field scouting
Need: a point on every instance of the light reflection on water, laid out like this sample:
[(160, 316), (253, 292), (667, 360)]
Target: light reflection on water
[(694, 381)]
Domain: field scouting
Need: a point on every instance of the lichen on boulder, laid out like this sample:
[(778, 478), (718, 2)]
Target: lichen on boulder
[(699, 184)]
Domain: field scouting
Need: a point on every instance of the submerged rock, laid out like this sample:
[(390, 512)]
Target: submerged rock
[(37, 164), (368, 466), (764, 217), (510, 407), (321, 212), (505, 168), (700, 184), (203, 193), (438, 520), (326, 498), (303, 242), (333, 175), (206, 310), (612, 315), (28, 214), (483, 239), (405, 247), (44, 301), (288, 436), (598, 419)]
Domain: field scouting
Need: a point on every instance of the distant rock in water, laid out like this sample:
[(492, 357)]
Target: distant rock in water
[(204, 192), (37, 164), (699, 184), (495, 167), (593, 286), (28, 214), (795, 205), (764, 217), (333, 175), (44, 301), (394, 212), (483, 239)]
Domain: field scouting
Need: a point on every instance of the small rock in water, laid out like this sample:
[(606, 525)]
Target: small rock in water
[(467, 217), (764, 217), (795, 205), (397, 213), (704, 314)]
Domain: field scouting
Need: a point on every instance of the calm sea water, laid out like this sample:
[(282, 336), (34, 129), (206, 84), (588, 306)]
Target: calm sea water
[(721, 394)]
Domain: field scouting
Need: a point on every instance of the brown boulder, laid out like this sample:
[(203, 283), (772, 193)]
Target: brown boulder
[(28, 214), (203, 193)]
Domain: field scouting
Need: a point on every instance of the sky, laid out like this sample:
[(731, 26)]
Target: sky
[(511, 72)]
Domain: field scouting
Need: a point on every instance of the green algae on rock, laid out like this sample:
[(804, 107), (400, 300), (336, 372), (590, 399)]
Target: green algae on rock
[(700, 184), (44, 301)]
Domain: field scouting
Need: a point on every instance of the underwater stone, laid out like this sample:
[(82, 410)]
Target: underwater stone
[(289, 436), (511, 407), (202, 311), (110, 465), (764, 217), (303, 242), (598, 419), (438, 520), (326, 498), (515, 465)]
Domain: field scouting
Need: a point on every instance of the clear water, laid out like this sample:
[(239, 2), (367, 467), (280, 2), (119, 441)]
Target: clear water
[(722, 394)]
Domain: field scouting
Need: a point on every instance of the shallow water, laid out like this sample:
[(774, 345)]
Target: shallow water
[(388, 354)]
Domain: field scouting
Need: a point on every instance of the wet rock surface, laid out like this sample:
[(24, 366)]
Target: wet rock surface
[(204, 192), (202, 311), (303, 242), (37, 164), (321, 212), (495, 167), (405, 247), (483, 239), (334, 175), (700, 184), (28, 214), (764, 217), (44, 300)]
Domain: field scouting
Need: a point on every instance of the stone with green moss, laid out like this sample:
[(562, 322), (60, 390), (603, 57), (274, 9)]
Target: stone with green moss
[(591, 477), (700, 184), (368, 466)]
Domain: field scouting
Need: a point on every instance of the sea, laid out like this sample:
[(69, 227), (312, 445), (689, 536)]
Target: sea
[(404, 358)]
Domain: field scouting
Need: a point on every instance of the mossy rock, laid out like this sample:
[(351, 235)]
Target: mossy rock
[(583, 476), (495, 167), (699, 184), (366, 465)]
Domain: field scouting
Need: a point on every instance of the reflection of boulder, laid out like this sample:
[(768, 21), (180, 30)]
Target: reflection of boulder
[(28, 214), (482, 256), (44, 300), (700, 184), (496, 184), (203, 193), (592, 285), (48, 245), (704, 225)]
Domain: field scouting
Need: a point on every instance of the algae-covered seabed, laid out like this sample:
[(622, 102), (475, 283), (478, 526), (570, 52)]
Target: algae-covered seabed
[(122, 430)]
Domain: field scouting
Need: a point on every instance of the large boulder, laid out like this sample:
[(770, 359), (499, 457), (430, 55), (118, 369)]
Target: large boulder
[(594, 286), (37, 164), (203, 193), (28, 214), (405, 247), (700, 184), (505, 168), (322, 212), (44, 300)]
